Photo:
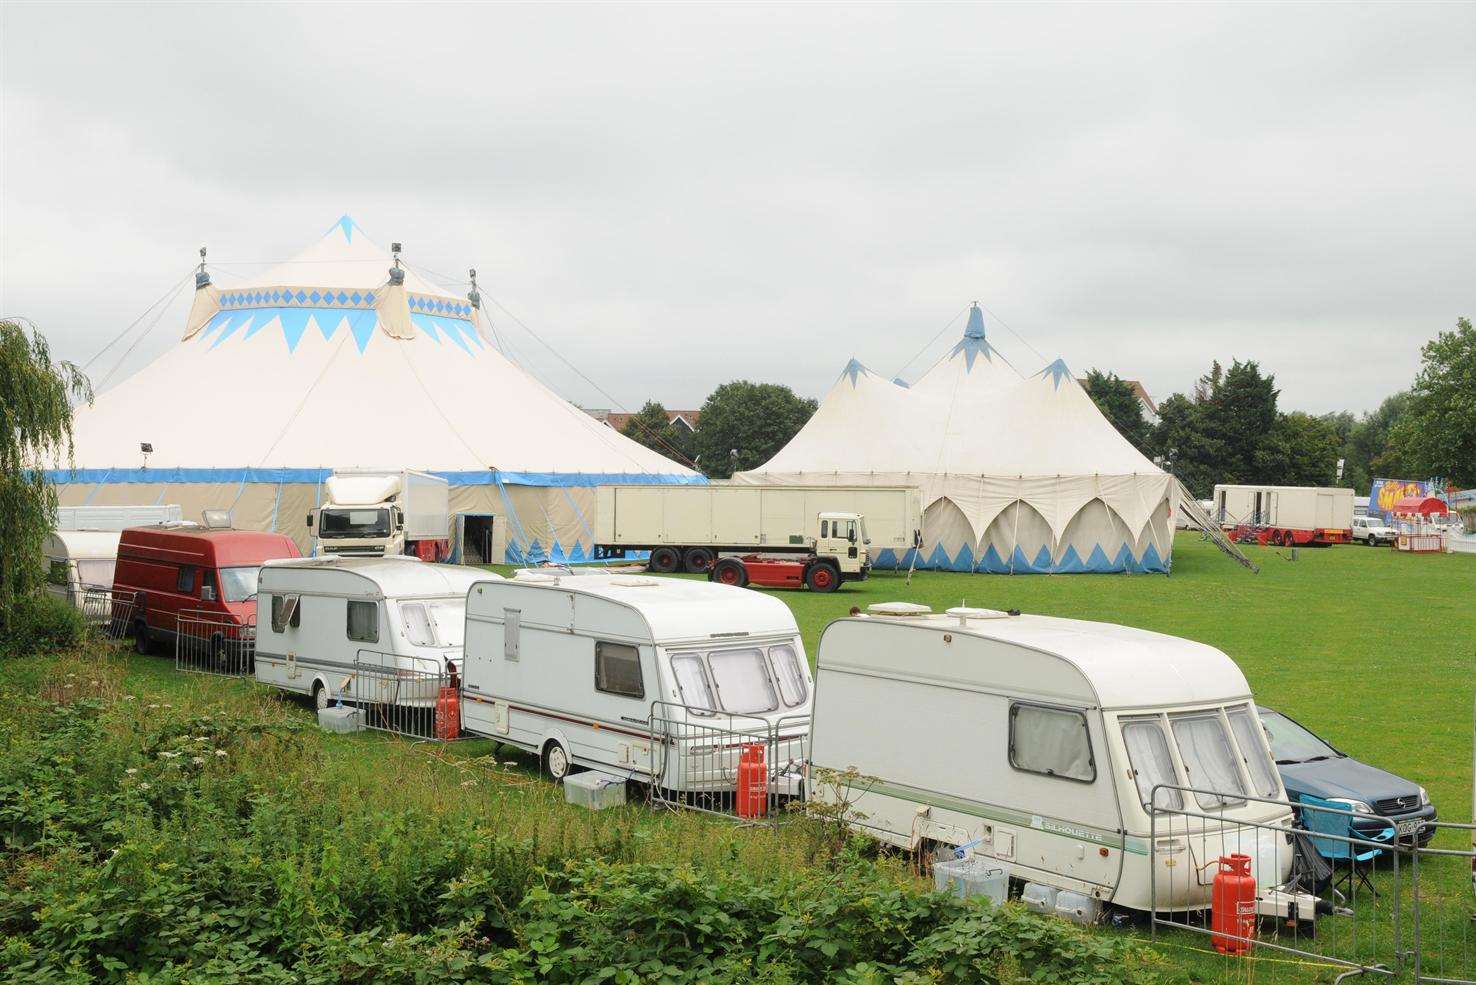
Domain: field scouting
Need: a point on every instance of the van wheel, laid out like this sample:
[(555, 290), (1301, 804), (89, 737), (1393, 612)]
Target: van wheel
[(142, 645), (822, 577), (699, 560), (729, 571), (664, 560), (556, 762)]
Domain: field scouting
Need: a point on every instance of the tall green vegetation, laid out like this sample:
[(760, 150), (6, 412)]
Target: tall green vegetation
[(1119, 403), (36, 398), (1436, 435), (744, 424), (650, 426)]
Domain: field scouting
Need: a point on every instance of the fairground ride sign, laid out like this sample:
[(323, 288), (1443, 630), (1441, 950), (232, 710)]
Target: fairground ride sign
[(1386, 492)]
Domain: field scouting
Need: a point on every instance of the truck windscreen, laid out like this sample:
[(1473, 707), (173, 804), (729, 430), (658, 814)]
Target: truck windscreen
[(354, 523)]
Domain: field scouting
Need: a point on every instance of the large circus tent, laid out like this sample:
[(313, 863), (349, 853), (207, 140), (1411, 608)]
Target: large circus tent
[(1019, 474), (342, 357)]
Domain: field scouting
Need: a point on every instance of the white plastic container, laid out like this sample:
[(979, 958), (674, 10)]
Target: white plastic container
[(594, 790), (1077, 908), (340, 718), (967, 877), (1041, 899)]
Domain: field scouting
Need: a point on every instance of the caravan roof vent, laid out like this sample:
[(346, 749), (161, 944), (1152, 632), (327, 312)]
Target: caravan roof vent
[(899, 609), (628, 582), (965, 613)]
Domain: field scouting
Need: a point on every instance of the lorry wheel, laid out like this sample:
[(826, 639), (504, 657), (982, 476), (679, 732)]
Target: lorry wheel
[(556, 762), (664, 560), (699, 560), (729, 571), (822, 577)]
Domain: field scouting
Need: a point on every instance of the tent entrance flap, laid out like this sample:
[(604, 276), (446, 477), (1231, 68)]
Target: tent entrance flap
[(476, 540)]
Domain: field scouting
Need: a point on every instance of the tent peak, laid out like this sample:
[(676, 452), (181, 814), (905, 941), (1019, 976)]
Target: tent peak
[(1057, 371), (855, 369), (346, 225), (975, 327)]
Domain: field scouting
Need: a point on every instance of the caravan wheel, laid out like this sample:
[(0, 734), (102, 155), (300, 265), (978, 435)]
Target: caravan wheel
[(556, 762), (320, 696)]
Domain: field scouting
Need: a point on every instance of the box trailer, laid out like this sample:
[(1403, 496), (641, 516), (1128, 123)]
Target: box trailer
[(1047, 747), (383, 512), (691, 527), (1285, 515), (116, 518)]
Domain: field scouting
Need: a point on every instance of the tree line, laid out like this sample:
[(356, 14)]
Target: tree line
[(1229, 427)]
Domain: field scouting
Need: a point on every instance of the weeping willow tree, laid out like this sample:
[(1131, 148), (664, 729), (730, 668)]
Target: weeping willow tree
[(36, 398)]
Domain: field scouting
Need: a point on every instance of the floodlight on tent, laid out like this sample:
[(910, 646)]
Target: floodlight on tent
[(146, 448), (216, 519)]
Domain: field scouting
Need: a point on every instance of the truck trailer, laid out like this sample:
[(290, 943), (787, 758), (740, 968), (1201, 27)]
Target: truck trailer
[(817, 536), (1285, 515), (383, 513)]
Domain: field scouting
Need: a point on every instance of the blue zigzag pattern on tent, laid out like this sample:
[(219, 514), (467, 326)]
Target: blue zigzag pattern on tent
[(361, 322), (990, 561)]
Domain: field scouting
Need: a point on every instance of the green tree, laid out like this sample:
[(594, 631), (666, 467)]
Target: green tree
[(1300, 450), (35, 434), (1179, 441), (1119, 403), (1436, 436), (1239, 416), (744, 424), (652, 427), (1366, 451)]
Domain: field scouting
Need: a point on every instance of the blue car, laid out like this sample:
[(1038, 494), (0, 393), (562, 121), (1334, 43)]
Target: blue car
[(1309, 765)]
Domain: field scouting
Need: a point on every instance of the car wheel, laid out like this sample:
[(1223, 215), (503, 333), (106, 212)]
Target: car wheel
[(556, 762), (664, 560), (822, 577)]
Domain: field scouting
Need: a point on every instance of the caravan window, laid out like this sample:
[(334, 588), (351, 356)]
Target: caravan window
[(742, 680), (449, 620), (286, 611), (692, 683), (789, 674), (1148, 754), (618, 670), (417, 624), (1253, 751), (96, 572), (363, 622), (57, 575), (1209, 758), (1052, 741)]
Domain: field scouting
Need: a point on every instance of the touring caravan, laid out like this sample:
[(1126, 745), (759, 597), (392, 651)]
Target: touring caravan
[(1037, 743), (338, 627), (79, 562), (664, 681)]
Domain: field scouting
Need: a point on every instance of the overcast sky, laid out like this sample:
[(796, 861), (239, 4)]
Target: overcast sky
[(674, 197)]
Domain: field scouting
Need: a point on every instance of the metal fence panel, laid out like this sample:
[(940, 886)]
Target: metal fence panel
[(107, 613), (738, 766), (417, 697), (215, 643)]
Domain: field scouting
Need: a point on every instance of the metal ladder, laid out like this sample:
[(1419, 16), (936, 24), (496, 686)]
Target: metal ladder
[(1189, 507)]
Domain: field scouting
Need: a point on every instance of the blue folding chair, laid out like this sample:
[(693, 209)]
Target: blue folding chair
[(1359, 855)]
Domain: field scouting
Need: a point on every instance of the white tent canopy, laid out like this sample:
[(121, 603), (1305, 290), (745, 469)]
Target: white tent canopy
[(1017, 475), (324, 362)]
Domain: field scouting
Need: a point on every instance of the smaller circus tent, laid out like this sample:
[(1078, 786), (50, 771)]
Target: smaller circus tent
[(1018, 475), (340, 358)]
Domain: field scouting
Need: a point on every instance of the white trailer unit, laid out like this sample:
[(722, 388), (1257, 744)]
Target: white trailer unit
[(384, 512), (658, 680), (1286, 515), (1037, 742), (694, 524), (116, 518), (79, 561), (331, 627)]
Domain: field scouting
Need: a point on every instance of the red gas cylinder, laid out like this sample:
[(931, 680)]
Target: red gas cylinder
[(448, 713), (751, 798), (1233, 905)]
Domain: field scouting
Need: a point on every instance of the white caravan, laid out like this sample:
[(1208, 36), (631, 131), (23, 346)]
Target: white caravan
[(330, 627), (116, 518), (79, 560), (1036, 742), (658, 680)]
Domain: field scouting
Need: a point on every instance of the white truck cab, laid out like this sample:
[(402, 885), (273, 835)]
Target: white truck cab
[(843, 537), (383, 513)]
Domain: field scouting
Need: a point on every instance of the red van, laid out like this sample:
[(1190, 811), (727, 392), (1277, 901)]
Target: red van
[(197, 573)]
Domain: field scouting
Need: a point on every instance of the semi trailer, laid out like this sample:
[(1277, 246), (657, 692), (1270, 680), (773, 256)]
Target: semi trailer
[(1285, 515)]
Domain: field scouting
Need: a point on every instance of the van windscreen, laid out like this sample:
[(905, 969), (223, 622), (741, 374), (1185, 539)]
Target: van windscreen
[(354, 523), (238, 584)]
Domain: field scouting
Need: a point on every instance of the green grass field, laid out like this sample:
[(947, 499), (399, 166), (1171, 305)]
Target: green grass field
[(1370, 648)]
